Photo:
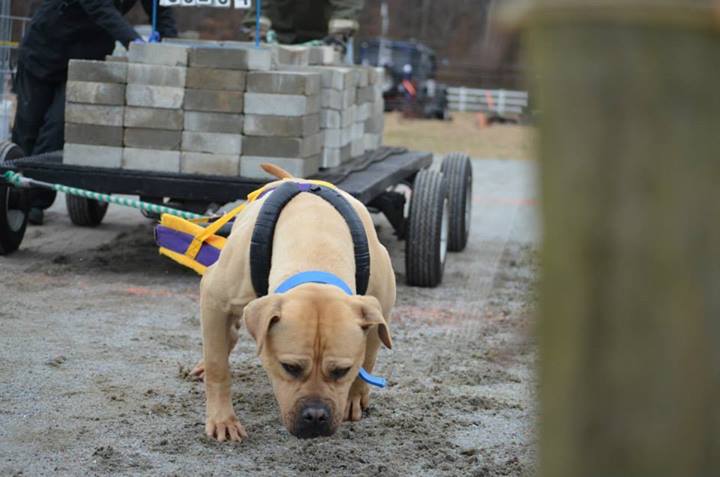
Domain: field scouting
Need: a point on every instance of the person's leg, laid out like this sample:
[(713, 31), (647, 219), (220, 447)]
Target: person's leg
[(52, 133), (34, 98), (36, 101)]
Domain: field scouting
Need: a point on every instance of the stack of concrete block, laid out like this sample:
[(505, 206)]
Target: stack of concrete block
[(212, 140), (282, 122), (375, 123), (155, 97), (222, 108), (338, 113), (362, 111), (95, 103)]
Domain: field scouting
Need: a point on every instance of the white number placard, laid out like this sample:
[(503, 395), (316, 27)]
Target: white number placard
[(241, 4)]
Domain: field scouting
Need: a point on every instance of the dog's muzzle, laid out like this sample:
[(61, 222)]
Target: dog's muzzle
[(313, 419)]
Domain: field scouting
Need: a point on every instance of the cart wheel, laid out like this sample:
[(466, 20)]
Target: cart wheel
[(14, 205), (85, 212), (457, 169), (427, 238)]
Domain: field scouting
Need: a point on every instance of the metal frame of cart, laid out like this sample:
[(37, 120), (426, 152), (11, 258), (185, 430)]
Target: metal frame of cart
[(430, 209)]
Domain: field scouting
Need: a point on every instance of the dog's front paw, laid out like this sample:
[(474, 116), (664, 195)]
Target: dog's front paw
[(198, 372), (221, 428), (358, 400)]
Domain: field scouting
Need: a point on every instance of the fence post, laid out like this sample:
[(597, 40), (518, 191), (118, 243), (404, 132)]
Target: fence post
[(629, 325)]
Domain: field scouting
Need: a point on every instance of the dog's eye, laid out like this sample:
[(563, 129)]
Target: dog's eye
[(339, 373), (292, 369)]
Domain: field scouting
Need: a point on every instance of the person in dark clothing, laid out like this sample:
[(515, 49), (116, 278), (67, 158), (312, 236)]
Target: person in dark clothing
[(299, 21), (62, 30)]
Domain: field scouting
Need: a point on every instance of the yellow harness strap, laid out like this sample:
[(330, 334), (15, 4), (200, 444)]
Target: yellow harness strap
[(202, 235)]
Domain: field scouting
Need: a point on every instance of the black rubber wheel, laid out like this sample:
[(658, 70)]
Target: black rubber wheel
[(457, 169), (85, 212), (427, 236), (14, 205)]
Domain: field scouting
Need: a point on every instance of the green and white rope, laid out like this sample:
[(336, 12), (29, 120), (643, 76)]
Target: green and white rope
[(20, 181)]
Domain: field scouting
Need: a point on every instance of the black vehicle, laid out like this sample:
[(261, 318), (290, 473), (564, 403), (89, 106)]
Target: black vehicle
[(410, 69)]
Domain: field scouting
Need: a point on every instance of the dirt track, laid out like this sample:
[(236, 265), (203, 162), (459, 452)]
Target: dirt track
[(98, 333)]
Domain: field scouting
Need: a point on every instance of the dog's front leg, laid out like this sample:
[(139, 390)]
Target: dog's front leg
[(359, 395), (221, 422)]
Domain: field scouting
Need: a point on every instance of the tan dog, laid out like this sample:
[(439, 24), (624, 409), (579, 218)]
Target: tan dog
[(313, 339)]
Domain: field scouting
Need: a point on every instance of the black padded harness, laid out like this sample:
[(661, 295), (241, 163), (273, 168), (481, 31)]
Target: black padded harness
[(261, 245)]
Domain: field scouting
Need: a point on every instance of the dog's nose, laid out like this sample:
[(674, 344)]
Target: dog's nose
[(314, 420)]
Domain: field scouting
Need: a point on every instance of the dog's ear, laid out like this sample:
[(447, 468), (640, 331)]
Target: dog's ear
[(259, 316), (371, 315)]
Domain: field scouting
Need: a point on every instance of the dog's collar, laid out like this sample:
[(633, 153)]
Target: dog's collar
[(326, 278), (313, 276)]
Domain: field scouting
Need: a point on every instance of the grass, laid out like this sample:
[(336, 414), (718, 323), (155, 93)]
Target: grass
[(462, 134)]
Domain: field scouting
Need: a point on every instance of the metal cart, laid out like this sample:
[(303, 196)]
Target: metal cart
[(429, 209)]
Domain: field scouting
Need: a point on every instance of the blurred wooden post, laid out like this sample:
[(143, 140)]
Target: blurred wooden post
[(630, 310)]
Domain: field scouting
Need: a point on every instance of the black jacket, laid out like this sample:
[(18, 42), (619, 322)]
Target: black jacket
[(81, 29)]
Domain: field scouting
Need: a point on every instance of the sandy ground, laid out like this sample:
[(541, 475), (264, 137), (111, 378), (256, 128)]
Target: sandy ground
[(98, 334), (461, 133)]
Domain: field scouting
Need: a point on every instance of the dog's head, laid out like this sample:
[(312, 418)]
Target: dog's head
[(312, 344)]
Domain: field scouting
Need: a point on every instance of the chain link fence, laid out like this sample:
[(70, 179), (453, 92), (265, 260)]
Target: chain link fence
[(12, 30)]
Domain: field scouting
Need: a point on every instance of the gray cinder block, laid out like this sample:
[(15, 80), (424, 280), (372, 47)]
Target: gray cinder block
[(171, 119), (361, 76), (372, 141), (151, 160), (362, 112), (92, 134), (375, 124), (282, 126), (214, 143), (250, 166), (213, 78), (92, 156), (90, 92), (157, 75), (324, 55), (209, 164), (357, 147), (333, 77), (231, 57), (281, 104), (117, 58), (162, 139), (93, 114), (337, 137), (358, 130), (334, 99), (283, 146), (335, 156), (366, 94), (158, 54), (214, 101), (213, 122), (97, 71), (334, 119), (148, 96), (291, 55), (284, 82)]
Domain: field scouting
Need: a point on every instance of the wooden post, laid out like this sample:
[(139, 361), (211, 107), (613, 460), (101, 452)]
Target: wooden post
[(629, 325)]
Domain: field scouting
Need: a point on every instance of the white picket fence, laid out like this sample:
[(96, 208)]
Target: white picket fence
[(498, 101)]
